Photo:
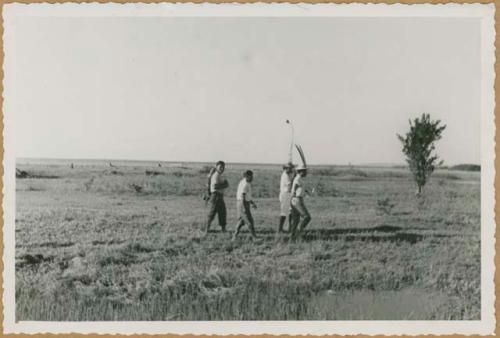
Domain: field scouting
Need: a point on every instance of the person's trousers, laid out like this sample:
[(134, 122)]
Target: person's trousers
[(244, 216), (299, 210), (216, 206)]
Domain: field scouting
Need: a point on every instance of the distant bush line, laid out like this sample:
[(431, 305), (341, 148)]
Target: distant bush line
[(466, 167), (25, 174)]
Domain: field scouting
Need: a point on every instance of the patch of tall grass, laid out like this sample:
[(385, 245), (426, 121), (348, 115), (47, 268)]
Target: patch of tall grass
[(110, 252)]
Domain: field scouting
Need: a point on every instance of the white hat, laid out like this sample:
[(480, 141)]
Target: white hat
[(301, 167)]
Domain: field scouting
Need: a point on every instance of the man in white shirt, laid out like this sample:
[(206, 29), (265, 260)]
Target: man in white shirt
[(285, 195), (299, 209), (243, 203), (217, 206)]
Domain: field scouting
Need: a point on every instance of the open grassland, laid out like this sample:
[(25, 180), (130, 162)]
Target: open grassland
[(126, 243)]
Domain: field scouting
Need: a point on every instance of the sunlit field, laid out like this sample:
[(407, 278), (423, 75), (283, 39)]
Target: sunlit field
[(126, 242)]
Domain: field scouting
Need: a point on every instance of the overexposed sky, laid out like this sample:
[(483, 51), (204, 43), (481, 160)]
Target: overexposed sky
[(203, 89)]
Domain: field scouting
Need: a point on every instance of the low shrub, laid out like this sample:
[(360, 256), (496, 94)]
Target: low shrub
[(466, 167)]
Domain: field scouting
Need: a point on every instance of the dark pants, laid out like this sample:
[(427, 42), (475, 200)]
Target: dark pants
[(244, 217), (217, 206), (299, 211)]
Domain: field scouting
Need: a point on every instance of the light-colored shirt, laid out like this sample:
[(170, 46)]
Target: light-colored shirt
[(244, 188), (286, 182), (298, 186), (216, 178)]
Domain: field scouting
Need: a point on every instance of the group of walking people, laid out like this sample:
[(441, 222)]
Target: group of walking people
[(292, 205)]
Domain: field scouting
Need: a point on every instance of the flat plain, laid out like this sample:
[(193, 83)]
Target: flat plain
[(126, 242)]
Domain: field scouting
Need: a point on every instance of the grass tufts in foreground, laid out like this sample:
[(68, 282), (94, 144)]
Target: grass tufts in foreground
[(90, 247)]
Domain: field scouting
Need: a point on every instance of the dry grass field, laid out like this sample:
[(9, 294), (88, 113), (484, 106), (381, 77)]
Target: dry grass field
[(126, 243)]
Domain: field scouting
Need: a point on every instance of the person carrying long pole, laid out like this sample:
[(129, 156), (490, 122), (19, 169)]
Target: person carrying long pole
[(286, 186), (300, 215)]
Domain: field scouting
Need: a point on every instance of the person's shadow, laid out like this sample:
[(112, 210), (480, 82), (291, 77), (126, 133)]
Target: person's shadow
[(373, 234)]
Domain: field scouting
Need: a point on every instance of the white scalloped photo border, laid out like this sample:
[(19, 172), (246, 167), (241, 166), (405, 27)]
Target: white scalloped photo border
[(485, 13)]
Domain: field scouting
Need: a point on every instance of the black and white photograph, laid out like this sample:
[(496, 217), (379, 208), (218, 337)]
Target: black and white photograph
[(249, 169)]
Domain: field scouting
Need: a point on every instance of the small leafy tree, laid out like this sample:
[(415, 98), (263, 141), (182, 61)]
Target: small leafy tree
[(418, 147)]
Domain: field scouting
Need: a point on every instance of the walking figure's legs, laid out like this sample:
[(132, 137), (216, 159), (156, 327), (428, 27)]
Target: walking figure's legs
[(250, 221), (212, 211), (305, 221), (306, 216), (244, 217), (239, 225), (222, 213), (290, 221), (294, 222), (281, 224)]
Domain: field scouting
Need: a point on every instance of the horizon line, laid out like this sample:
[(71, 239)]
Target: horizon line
[(368, 164)]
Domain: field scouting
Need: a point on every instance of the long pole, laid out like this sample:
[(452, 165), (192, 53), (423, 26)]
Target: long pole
[(290, 153)]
